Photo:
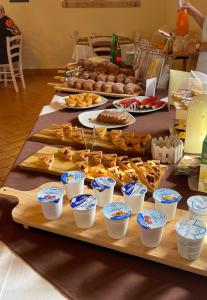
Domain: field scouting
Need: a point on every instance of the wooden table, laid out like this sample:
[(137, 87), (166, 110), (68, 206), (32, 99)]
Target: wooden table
[(86, 272)]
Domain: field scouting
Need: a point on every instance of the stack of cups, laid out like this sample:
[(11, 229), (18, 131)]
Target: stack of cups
[(84, 210), (134, 194), (51, 200), (198, 208), (151, 224), (190, 235), (74, 183), (166, 200), (117, 217), (103, 190)]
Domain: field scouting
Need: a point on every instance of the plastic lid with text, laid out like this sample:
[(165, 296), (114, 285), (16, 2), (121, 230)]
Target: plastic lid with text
[(198, 203), (134, 189), (50, 194), (116, 211), (73, 177), (151, 219), (83, 202), (191, 229), (166, 196), (103, 183)]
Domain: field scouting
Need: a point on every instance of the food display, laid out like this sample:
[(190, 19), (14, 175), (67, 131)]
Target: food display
[(140, 104), (113, 117), (83, 100), (118, 140), (182, 97), (94, 164)]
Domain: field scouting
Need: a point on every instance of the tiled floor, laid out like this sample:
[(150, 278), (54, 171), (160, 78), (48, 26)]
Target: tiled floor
[(18, 112)]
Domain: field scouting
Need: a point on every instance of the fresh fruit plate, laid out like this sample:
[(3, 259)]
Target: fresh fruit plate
[(140, 104)]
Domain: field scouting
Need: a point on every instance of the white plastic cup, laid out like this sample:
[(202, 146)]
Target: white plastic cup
[(117, 217), (74, 183), (103, 188), (198, 208), (190, 235), (134, 195), (151, 224), (84, 210), (51, 200), (167, 200)]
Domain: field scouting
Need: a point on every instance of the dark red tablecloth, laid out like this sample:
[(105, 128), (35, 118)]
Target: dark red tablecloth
[(86, 272)]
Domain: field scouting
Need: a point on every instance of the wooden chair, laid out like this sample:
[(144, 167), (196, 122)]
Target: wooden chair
[(13, 69), (100, 45)]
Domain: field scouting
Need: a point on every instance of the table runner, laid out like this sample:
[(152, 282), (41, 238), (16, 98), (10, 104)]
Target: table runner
[(86, 272)]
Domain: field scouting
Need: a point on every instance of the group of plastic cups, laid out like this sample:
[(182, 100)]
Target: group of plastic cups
[(190, 232)]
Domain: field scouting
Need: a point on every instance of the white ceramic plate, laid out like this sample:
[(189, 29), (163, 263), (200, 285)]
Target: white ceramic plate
[(63, 104), (88, 119), (138, 111)]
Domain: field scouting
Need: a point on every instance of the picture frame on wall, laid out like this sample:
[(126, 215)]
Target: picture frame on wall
[(19, 1)]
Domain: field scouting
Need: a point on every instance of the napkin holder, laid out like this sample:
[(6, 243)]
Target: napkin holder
[(168, 149)]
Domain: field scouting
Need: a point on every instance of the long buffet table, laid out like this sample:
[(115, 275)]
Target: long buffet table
[(83, 271)]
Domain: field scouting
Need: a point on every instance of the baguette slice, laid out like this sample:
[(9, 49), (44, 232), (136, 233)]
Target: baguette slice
[(47, 160), (65, 153)]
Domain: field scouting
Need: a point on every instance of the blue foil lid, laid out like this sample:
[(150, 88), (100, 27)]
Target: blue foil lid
[(83, 202), (166, 195), (50, 194), (73, 177), (116, 211), (134, 189), (191, 229), (198, 203), (151, 219), (103, 183)]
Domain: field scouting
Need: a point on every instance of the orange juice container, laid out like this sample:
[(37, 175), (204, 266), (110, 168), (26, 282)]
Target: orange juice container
[(182, 23)]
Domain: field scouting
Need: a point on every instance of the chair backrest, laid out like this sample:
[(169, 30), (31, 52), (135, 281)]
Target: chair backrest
[(14, 48), (100, 45)]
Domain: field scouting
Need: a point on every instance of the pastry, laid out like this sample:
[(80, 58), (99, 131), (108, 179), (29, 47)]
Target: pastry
[(97, 170), (136, 162), (110, 78), (117, 174), (120, 78), (78, 84), (88, 85), (65, 153), (154, 166), (93, 75), (98, 86), (82, 166), (71, 81), (101, 77), (83, 155), (86, 75), (120, 143), (130, 79), (47, 160), (115, 133), (95, 157), (113, 117), (101, 131), (77, 135), (118, 88), (109, 159), (58, 133), (123, 162), (128, 136), (107, 87), (132, 175)]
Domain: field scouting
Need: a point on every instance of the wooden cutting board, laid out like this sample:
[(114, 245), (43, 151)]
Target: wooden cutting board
[(60, 165), (46, 136), (63, 87), (28, 213)]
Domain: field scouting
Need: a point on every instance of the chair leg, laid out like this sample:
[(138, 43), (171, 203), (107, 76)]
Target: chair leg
[(14, 79), (5, 76), (22, 76)]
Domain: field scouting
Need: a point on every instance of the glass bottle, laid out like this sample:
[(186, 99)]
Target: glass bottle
[(196, 126), (113, 45), (117, 56), (182, 23)]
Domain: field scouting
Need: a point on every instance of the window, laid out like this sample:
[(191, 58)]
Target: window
[(99, 3)]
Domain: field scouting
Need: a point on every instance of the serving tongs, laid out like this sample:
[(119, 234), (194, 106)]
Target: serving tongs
[(93, 139)]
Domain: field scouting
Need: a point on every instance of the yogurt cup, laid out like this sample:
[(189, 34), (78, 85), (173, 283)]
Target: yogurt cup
[(166, 200), (74, 183), (117, 217), (190, 235), (151, 223), (103, 189), (198, 208), (134, 194), (51, 200), (84, 210)]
